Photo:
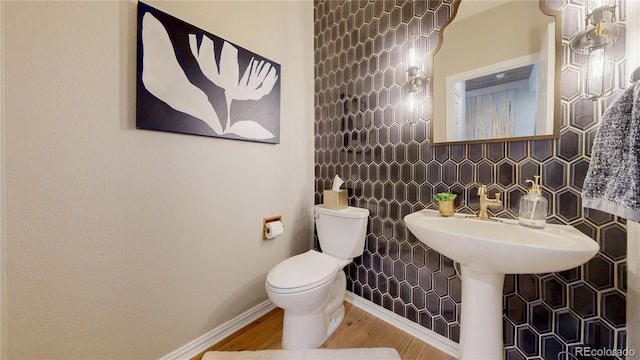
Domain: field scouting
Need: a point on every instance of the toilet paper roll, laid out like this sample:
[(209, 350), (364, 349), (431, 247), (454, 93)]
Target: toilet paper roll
[(274, 228)]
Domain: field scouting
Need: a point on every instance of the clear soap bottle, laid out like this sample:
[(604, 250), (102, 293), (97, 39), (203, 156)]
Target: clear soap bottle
[(532, 210)]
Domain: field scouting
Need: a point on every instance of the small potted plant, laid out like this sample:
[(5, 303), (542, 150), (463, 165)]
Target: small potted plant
[(445, 203)]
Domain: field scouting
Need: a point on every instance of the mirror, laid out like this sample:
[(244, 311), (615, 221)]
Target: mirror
[(496, 75)]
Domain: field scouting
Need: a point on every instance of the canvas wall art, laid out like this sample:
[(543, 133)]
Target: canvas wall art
[(193, 82)]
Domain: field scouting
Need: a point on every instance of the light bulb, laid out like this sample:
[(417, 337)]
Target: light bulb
[(412, 108), (412, 57), (597, 73), (596, 64)]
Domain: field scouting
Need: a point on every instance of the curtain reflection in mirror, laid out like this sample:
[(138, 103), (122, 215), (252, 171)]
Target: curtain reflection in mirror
[(490, 116)]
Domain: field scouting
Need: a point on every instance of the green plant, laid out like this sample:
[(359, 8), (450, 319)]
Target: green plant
[(445, 196)]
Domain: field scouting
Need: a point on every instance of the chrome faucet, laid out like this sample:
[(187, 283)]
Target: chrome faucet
[(485, 202)]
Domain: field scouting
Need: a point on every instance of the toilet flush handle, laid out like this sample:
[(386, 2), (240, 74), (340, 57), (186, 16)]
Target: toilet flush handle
[(316, 216)]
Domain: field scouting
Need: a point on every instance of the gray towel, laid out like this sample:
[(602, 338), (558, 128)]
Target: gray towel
[(612, 183)]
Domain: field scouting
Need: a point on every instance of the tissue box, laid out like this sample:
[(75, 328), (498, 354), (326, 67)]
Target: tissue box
[(335, 199)]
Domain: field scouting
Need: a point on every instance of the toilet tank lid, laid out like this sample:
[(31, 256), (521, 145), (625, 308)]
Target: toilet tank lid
[(349, 212)]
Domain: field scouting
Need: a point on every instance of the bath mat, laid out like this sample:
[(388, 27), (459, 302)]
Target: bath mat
[(309, 354)]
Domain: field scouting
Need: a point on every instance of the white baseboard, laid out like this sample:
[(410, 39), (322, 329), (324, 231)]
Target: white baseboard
[(218, 334), (430, 337)]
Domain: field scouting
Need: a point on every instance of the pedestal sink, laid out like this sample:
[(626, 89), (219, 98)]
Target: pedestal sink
[(486, 251)]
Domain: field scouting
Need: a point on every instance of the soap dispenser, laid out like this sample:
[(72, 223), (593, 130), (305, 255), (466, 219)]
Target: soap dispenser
[(533, 206)]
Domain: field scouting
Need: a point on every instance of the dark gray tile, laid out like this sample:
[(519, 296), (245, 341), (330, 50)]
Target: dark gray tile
[(405, 293), (554, 174), (454, 332), (599, 272), (540, 317), (508, 333), (517, 150), (613, 240), (583, 114), (506, 174), (442, 153), (455, 289), (466, 170), (496, 151), (514, 354), (583, 300), (387, 302), (509, 286), (449, 172), (485, 173), (553, 292), (599, 335), (441, 285), (425, 279), (449, 310), (419, 172), (569, 145), (528, 286), (516, 310), (433, 303), (552, 346), (571, 275), (476, 152), (527, 341), (568, 326), (457, 153), (568, 205), (622, 276), (613, 308), (597, 217), (541, 150), (440, 326), (622, 340)]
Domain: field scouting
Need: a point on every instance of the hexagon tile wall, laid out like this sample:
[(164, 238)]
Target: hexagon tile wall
[(391, 169)]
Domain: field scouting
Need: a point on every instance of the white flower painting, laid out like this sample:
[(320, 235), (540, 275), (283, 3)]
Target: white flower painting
[(190, 81)]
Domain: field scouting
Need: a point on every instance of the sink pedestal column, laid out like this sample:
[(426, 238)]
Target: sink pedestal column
[(481, 315)]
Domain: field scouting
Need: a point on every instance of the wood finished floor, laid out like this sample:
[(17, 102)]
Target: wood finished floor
[(358, 330)]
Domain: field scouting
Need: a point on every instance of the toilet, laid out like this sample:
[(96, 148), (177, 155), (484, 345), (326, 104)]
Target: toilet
[(310, 287)]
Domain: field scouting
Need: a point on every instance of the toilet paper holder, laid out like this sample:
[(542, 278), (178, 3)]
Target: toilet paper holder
[(265, 221)]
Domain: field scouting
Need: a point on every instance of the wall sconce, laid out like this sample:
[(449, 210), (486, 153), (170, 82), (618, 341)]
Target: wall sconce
[(415, 88), (593, 43)]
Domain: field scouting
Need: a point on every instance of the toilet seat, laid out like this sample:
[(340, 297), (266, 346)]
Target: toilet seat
[(302, 272)]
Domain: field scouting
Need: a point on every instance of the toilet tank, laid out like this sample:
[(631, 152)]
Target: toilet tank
[(341, 233)]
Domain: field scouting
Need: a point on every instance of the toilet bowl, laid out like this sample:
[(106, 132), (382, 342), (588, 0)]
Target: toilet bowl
[(310, 287)]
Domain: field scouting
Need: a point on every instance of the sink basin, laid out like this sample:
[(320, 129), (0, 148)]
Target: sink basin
[(486, 251), (505, 247)]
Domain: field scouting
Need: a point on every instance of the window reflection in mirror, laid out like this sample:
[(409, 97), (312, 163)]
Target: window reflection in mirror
[(494, 76), (510, 102)]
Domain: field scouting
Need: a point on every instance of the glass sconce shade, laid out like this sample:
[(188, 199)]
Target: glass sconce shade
[(597, 66), (596, 73), (414, 102), (415, 86)]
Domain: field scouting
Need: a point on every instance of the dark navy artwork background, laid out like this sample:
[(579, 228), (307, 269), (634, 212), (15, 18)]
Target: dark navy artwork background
[(155, 114)]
